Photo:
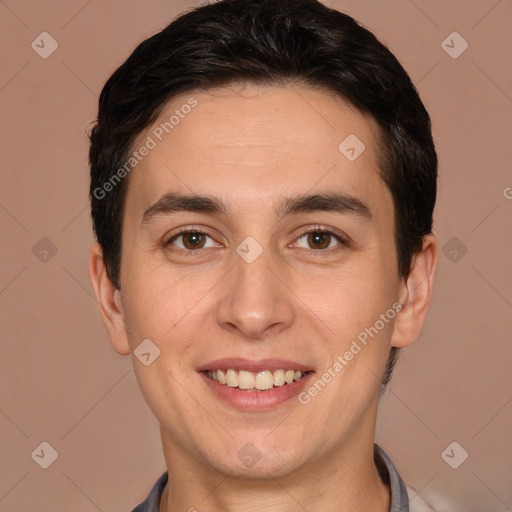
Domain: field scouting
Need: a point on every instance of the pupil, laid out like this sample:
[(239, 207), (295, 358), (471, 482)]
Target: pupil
[(193, 239), (319, 239)]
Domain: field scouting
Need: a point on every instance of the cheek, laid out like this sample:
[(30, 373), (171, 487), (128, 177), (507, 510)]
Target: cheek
[(163, 305), (355, 298)]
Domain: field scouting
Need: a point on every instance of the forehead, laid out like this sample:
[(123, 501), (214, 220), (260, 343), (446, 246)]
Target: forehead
[(264, 141)]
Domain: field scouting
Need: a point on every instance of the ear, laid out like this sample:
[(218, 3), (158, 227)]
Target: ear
[(109, 299), (415, 294)]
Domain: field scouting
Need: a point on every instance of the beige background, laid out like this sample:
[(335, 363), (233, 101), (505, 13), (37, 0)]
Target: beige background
[(61, 382)]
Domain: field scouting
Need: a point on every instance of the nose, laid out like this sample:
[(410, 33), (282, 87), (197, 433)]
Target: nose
[(256, 301)]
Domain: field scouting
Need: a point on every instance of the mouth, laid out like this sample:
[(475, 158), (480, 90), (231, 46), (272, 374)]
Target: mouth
[(255, 381), (250, 385)]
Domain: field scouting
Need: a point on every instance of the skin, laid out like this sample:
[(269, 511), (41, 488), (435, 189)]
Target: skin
[(251, 147)]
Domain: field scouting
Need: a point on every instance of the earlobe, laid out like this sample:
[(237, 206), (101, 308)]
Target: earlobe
[(109, 299), (416, 294)]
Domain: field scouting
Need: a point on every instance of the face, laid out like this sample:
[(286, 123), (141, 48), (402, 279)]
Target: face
[(279, 263)]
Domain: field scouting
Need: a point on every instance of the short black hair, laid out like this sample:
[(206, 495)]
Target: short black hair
[(267, 42)]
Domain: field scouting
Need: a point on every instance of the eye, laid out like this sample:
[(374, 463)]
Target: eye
[(191, 240), (320, 240)]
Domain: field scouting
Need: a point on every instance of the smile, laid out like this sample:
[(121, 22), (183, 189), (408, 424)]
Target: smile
[(255, 385), (255, 381)]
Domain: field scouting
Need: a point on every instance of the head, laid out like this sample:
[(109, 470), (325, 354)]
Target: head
[(250, 102)]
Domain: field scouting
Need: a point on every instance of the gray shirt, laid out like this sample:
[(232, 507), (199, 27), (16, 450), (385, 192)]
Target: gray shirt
[(387, 471)]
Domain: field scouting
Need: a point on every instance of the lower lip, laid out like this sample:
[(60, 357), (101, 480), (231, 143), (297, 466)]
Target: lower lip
[(256, 400)]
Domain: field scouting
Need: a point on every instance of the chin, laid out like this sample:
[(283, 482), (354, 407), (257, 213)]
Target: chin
[(256, 461)]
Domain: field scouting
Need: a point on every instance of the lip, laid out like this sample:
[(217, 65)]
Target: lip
[(255, 400), (239, 363)]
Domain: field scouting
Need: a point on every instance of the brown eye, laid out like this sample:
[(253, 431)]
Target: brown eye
[(191, 240), (319, 240)]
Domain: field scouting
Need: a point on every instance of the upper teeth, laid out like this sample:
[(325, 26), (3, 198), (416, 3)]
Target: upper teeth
[(259, 380)]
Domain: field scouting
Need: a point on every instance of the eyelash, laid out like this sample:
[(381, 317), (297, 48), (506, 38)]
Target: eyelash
[(343, 242), (188, 252), (317, 229)]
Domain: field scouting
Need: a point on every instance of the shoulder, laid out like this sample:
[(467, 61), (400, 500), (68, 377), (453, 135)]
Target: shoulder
[(152, 502)]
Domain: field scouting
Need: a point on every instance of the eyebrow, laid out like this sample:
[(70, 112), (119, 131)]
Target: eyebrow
[(176, 202), (327, 202)]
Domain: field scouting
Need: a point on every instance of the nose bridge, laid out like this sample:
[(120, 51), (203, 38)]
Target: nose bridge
[(255, 300)]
